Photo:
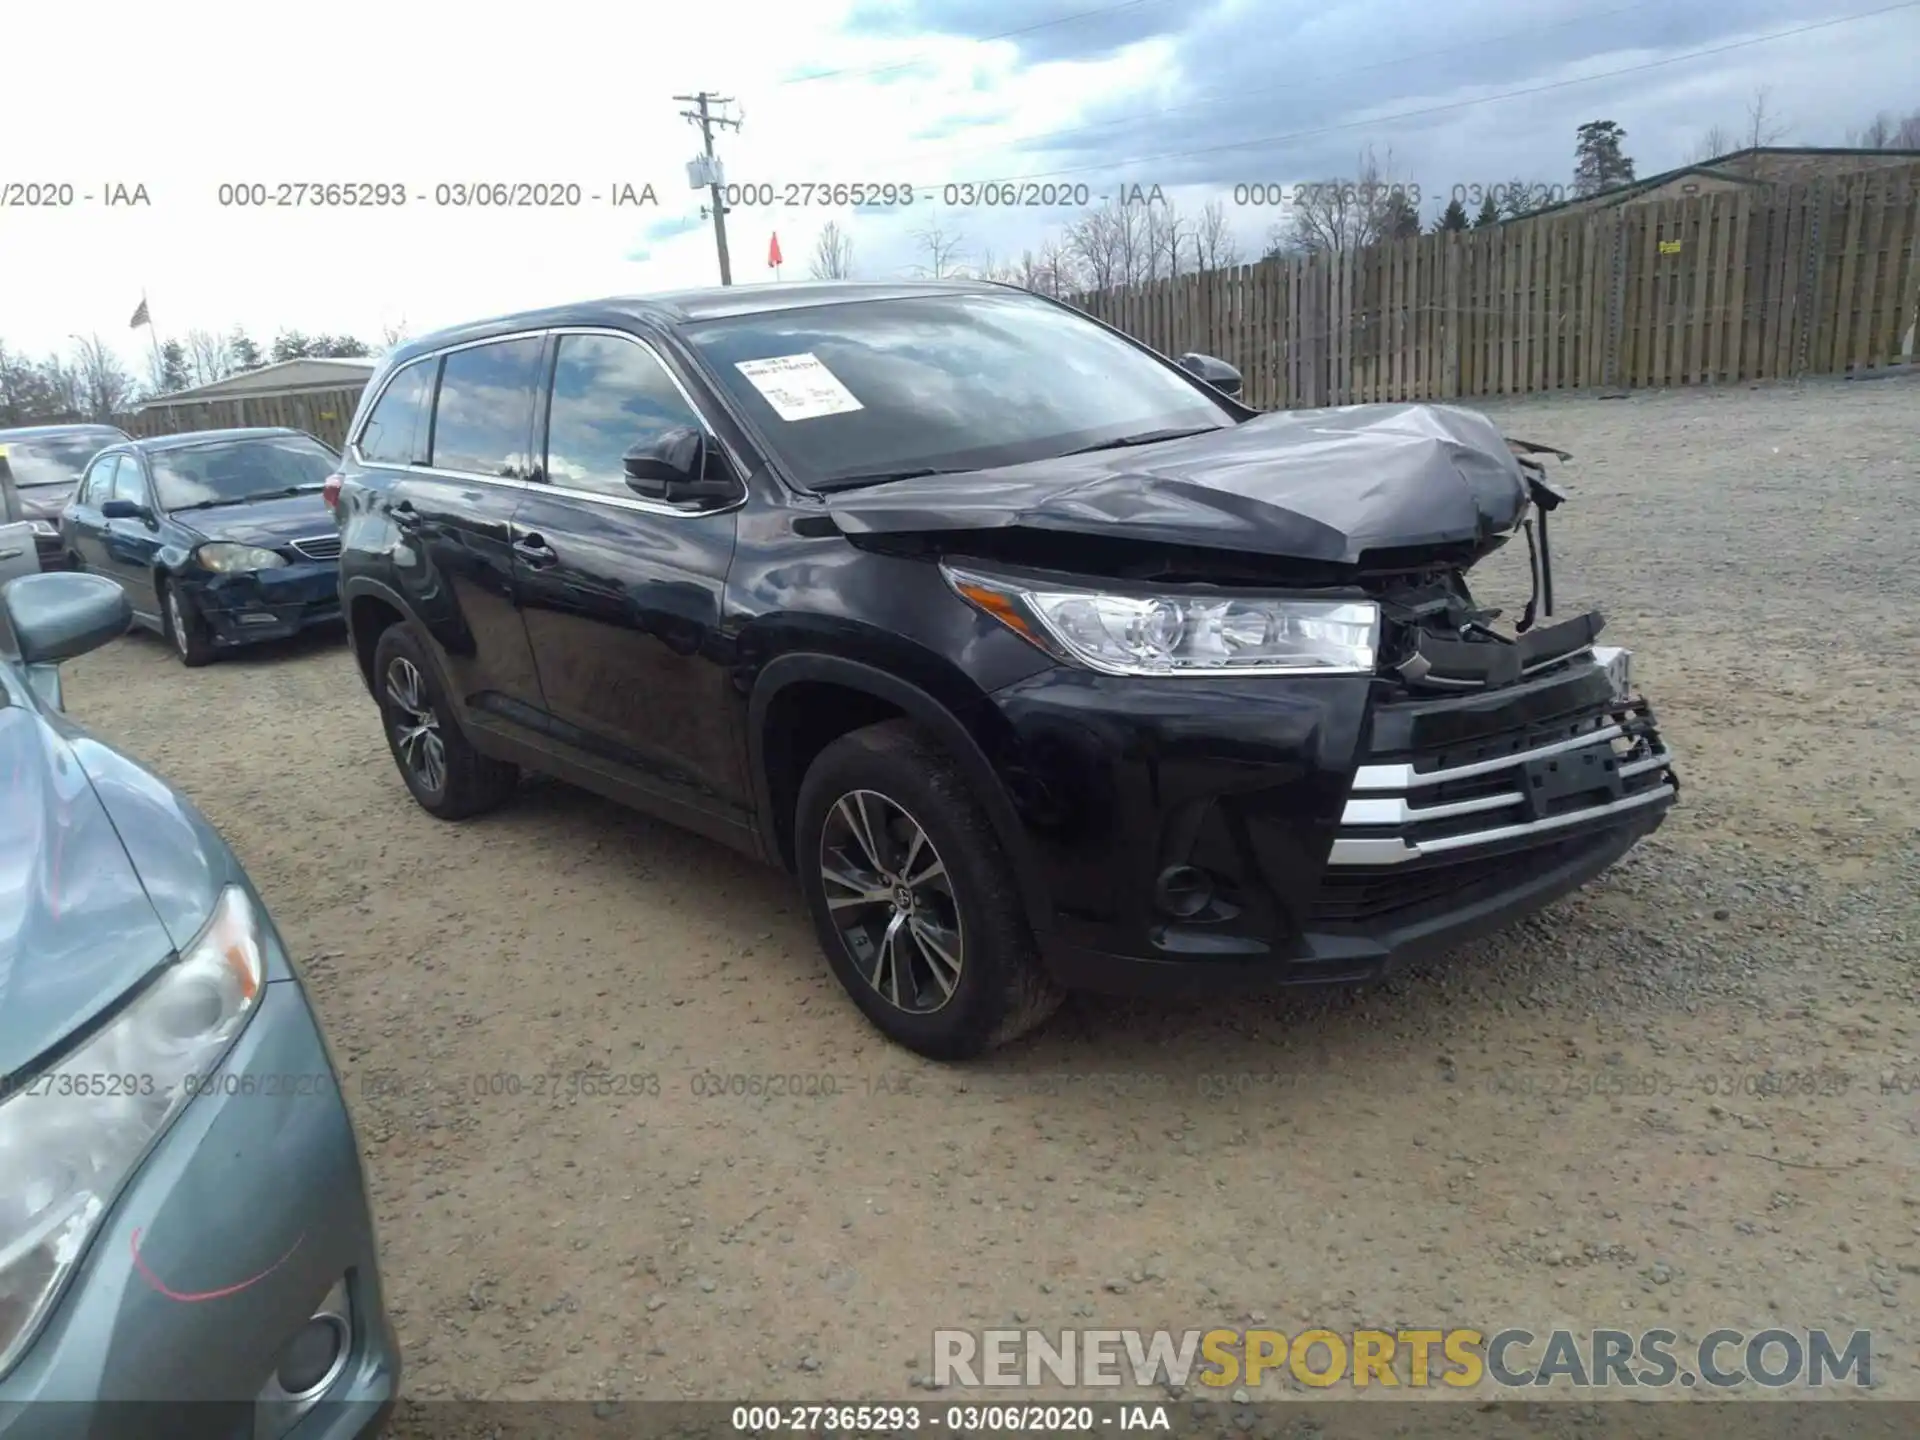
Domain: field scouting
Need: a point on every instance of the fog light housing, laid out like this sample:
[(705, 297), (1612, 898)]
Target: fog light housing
[(1618, 663), (309, 1366), (1183, 891)]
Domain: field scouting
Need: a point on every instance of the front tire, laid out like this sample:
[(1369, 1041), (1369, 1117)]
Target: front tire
[(912, 897), (446, 775), (185, 631)]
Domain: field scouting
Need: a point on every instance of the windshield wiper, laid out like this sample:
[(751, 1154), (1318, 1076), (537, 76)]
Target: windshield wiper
[(243, 499), (1147, 437), (879, 477)]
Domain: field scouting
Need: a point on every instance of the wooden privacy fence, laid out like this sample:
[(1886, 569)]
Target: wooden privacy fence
[(323, 413), (1810, 279)]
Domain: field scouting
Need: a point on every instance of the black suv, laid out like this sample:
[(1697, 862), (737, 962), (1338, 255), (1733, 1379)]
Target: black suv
[(1042, 661)]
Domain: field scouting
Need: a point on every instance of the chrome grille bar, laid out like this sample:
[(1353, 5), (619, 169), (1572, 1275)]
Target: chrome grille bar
[(1395, 850)]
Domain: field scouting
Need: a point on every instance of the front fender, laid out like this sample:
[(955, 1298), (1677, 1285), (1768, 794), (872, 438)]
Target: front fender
[(963, 728)]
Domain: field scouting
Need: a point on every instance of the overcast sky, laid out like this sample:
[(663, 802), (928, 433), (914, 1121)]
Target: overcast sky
[(1192, 95)]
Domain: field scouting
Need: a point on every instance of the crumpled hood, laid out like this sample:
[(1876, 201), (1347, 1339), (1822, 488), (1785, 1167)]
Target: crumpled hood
[(1317, 485), (76, 926)]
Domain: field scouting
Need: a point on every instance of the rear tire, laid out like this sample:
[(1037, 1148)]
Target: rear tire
[(446, 775), (928, 937), (183, 628)]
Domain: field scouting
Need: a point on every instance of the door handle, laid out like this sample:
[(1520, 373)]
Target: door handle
[(534, 550)]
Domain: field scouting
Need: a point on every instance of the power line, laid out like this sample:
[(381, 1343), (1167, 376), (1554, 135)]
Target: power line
[(706, 120), (1459, 104), (977, 39)]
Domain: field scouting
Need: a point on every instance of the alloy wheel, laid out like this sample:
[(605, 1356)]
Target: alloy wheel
[(416, 727), (892, 901)]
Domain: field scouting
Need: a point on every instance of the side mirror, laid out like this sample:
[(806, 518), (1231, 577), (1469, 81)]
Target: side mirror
[(672, 465), (62, 614), (1216, 372), (124, 510)]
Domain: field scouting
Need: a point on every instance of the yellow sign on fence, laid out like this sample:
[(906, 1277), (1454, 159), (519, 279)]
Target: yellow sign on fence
[(1669, 247)]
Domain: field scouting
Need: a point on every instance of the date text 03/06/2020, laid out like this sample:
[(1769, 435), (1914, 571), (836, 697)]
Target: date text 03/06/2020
[(963, 1419)]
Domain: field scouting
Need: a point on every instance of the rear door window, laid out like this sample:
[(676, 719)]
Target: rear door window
[(484, 412)]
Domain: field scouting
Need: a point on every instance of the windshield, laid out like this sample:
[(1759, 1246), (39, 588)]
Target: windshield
[(54, 459), (940, 382), (240, 470)]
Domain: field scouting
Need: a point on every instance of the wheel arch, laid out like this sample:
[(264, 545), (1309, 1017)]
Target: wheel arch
[(369, 608), (776, 774)]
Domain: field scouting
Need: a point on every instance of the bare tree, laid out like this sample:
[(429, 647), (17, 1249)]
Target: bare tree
[(394, 333), (1112, 244), (942, 249), (208, 357), (1716, 142), (1886, 131), (104, 384), (832, 254), (1339, 215), (1764, 125), (1215, 247), (991, 268), (1090, 240), (1164, 232), (1055, 271)]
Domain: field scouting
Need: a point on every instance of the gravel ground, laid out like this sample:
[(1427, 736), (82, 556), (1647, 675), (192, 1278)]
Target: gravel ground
[(1567, 1125)]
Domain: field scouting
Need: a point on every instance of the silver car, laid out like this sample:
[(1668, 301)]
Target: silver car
[(186, 1247)]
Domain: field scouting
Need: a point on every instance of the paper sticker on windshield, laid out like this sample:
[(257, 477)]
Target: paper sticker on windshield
[(798, 387)]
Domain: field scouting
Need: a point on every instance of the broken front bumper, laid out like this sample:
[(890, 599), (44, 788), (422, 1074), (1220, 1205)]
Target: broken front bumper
[(1311, 831)]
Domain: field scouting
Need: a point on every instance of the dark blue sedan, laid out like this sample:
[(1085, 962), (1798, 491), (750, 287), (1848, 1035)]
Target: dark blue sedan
[(219, 537)]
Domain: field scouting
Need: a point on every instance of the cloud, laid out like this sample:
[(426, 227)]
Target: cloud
[(1192, 95), (1039, 30), (668, 226)]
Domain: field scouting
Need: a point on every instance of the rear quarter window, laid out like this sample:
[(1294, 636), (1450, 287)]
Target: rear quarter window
[(396, 432)]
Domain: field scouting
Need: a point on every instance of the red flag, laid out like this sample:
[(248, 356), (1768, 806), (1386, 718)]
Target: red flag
[(773, 251)]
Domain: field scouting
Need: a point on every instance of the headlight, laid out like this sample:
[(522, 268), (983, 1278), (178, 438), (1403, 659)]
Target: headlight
[(228, 558), (71, 1136), (1126, 631), (44, 527)]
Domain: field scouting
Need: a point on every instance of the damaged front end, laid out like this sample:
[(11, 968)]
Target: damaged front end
[(1496, 764), (1260, 828)]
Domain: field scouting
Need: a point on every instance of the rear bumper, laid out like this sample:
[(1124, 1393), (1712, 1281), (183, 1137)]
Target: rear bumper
[(1253, 834)]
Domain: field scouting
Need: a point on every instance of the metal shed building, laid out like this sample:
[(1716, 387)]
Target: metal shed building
[(314, 395)]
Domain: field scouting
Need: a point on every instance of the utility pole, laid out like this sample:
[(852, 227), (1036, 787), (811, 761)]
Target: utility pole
[(706, 120)]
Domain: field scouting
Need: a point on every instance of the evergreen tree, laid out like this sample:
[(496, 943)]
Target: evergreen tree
[(1598, 161), (1454, 217), (1398, 217), (245, 354), (1489, 213), (175, 373)]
